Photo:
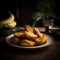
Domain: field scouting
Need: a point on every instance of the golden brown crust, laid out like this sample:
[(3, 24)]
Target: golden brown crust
[(41, 40), (38, 41), (19, 34), (45, 37), (26, 42), (28, 28), (15, 40), (30, 35), (38, 32)]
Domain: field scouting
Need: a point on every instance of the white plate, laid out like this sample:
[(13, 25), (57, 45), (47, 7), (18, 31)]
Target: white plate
[(48, 43)]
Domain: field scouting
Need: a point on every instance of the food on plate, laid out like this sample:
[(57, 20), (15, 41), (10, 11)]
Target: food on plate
[(26, 42), (28, 28), (29, 37), (15, 40), (41, 40), (38, 32), (19, 34), (45, 37)]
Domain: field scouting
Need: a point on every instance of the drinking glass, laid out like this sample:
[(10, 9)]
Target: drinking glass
[(36, 17)]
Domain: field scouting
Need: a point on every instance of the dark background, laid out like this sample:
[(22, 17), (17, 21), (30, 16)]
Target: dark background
[(23, 10)]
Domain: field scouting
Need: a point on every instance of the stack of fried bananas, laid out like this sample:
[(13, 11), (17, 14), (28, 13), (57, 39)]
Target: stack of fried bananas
[(29, 37)]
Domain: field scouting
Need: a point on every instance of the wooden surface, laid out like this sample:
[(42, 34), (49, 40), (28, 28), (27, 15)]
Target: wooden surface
[(47, 53)]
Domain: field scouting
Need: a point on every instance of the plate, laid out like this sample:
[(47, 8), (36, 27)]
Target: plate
[(48, 43)]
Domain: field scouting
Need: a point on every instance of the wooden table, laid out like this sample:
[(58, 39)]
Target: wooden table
[(47, 53)]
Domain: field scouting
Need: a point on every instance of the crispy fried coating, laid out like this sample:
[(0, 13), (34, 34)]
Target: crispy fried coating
[(28, 28), (41, 40), (15, 40), (45, 37), (38, 32), (30, 35), (19, 34), (27, 43)]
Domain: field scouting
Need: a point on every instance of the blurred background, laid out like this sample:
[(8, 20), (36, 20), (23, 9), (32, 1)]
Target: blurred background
[(24, 11)]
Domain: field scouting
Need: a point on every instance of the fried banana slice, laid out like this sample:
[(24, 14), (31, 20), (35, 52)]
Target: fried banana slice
[(28, 28), (27, 43), (30, 35), (45, 37), (41, 40), (38, 32), (19, 34), (15, 40)]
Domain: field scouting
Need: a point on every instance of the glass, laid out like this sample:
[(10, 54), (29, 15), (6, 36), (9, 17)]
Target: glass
[(48, 22), (36, 17)]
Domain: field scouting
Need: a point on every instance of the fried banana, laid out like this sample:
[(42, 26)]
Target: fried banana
[(27, 43), (28, 28), (30, 35), (41, 40), (38, 32), (19, 34), (45, 37), (15, 40)]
